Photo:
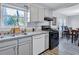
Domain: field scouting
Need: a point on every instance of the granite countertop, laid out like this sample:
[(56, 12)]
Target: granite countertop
[(19, 36)]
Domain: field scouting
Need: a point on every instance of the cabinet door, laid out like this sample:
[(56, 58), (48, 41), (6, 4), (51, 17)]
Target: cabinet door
[(8, 47), (25, 47), (38, 44), (47, 41), (41, 14), (47, 13), (8, 51), (34, 13)]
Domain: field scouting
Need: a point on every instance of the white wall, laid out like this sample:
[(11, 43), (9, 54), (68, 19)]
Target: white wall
[(39, 6), (73, 21), (61, 19)]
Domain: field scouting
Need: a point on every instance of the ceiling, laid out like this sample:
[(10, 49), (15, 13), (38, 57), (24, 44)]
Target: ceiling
[(69, 11), (53, 6), (56, 6)]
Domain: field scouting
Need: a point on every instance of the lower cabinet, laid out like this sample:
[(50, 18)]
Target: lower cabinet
[(32, 45), (8, 51), (8, 48), (25, 47)]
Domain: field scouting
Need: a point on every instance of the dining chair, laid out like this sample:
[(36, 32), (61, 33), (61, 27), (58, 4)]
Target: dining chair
[(74, 36)]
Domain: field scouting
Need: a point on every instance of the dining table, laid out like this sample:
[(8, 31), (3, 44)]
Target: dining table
[(74, 32)]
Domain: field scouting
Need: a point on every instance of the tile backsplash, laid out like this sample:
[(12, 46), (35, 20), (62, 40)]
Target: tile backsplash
[(30, 26), (37, 24)]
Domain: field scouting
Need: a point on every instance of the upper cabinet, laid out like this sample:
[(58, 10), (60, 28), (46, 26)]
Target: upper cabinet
[(47, 12), (41, 14), (33, 13), (37, 13)]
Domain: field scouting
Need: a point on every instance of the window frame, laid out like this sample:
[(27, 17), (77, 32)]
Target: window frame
[(17, 8)]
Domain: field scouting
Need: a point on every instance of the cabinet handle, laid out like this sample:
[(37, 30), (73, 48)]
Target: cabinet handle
[(22, 44)]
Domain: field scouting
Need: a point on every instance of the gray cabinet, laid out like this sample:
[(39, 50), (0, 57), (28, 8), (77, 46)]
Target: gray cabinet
[(25, 47), (8, 48)]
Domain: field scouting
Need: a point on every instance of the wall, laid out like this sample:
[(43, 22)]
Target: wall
[(61, 20), (2, 28), (73, 21), (39, 6)]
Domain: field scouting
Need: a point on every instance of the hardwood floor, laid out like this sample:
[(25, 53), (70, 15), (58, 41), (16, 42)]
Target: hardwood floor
[(51, 52), (67, 48)]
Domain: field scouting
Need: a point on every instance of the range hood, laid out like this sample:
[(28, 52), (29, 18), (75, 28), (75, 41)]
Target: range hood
[(48, 19)]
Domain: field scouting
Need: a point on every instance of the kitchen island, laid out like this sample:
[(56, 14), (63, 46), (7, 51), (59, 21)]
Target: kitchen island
[(32, 43)]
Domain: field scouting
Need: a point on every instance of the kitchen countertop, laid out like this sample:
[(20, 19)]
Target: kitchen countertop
[(19, 36)]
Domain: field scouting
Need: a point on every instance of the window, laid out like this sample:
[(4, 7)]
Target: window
[(9, 16), (13, 17), (21, 18)]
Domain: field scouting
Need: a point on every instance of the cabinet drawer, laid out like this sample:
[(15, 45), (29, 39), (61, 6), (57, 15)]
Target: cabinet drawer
[(7, 43), (25, 40)]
